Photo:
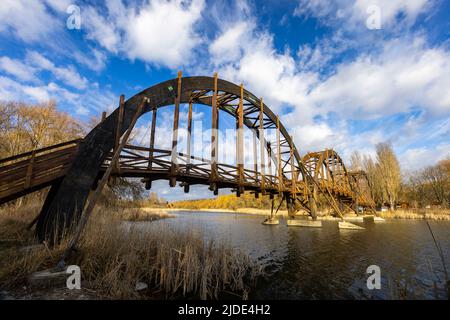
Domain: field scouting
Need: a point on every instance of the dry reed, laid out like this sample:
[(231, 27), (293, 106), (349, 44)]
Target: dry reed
[(114, 256)]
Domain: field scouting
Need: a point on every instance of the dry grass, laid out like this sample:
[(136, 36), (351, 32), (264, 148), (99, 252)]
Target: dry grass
[(141, 214), (113, 257), (429, 214)]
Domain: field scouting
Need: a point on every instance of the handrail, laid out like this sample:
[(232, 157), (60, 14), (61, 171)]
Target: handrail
[(36, 151)]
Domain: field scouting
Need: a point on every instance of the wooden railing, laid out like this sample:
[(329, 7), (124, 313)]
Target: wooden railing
[(30, 171)]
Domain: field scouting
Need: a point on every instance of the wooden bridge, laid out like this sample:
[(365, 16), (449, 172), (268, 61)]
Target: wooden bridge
[(73, 169)]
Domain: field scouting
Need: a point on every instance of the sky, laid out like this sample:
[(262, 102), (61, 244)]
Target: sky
[(344, 74)]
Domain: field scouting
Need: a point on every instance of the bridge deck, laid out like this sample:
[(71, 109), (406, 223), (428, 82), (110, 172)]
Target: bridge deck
[(31, 171)]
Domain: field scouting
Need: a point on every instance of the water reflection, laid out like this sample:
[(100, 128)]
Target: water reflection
[(328, 263)]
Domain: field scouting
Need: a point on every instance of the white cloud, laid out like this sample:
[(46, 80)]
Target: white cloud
[(17, 69), (417, 158), (66, 74), (94, 60), (311, 137), (13, 90), (227, 46), (101, 30), (396, 77), (91, 101), (352, 14), (405, 75), (39, 94), (28, 20), (161, 32), (262, 69), (59, 5)]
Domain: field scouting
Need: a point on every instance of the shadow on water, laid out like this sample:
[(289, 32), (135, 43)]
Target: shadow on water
[(328, 263)]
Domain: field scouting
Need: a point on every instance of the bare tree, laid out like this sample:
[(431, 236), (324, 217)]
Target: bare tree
[(370, 167), (436, 177), (26, 127), (356, 161), (389, 171)]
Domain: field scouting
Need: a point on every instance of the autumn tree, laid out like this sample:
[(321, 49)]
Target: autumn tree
[(389, 171), (356, 161), (371, 169), (25, 127), (436, 177)]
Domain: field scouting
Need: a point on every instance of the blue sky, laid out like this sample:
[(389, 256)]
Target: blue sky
[(336, 81)]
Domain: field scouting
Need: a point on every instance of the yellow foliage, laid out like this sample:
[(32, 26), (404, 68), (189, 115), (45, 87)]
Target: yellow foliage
[(230, 202)]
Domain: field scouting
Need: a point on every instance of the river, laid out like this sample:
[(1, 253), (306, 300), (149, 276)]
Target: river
[(328, 263)]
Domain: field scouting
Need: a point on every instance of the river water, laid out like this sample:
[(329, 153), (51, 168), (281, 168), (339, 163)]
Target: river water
[(328, 263)]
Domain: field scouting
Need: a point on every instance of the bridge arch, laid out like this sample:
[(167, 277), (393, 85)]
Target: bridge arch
[(331, 176), (67, 197)]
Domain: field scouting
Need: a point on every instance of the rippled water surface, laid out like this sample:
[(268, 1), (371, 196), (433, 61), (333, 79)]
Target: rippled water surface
[(328, 263)]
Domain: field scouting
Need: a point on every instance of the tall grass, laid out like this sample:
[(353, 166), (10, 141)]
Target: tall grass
[(429, 214), (114, 257), (143, 214)]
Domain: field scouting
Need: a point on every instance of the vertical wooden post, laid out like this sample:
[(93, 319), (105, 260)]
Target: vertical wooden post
[(293, 170), (214, 137), (188, 147), (29, 173), (240, 141), (119, 121), (255, 160), (148, 183), (103, 116), (280, 168), (119, 128), (255, 156), (269, 164), (334, 169), (176, 117), (328, 169), (262, 147)]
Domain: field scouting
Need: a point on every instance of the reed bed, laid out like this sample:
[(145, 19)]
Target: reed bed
[(428, 214), (114, 257), (142, 214)]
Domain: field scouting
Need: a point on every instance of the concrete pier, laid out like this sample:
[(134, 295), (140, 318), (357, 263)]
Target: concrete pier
[(304, 223), (271, 221), (349, 226)]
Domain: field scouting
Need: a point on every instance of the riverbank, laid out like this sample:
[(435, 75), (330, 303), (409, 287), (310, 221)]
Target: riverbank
[(262, 212), (424, 214), (143, 214), (119, 261)]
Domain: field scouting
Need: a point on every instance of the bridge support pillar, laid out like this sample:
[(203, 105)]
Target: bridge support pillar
[(148, 182), (214, 137), (290, 207), (176, 116), (312, 206), (356, 207)]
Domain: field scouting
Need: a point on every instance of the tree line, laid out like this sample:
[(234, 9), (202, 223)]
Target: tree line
[(25, 127), (392, 187)]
